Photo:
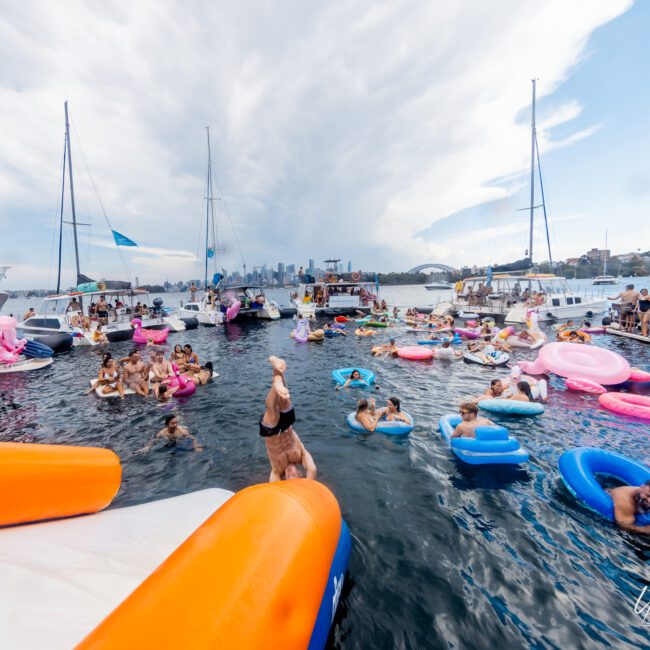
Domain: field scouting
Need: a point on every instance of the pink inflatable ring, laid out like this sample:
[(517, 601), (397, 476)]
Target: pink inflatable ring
[(415, 353), (637, 406), (639, 375), (575, 360)]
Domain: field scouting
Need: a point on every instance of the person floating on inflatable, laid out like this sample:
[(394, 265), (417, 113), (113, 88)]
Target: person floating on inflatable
[(630, 501), (385, 350), (471, 421)]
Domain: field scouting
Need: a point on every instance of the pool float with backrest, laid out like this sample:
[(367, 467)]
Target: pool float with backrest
[(493, 445), (415, 353), (637, 406), (197, 555), (576, 360), (564, 335), (341, 375), (389, 427), (579, 468), (511, 407), (500, 358)]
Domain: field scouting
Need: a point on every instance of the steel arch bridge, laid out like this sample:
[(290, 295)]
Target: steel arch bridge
[(441, 267)]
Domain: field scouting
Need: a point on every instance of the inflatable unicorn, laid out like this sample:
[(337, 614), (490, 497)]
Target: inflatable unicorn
[(10, 346), (535, 339), (144, 336)]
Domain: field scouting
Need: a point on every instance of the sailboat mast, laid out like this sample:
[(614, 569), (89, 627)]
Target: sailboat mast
[(58, 275), (74, 214), (533, 138), (208, 202)]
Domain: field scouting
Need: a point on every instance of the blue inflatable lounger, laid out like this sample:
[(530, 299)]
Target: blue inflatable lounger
[(493, 445), (579, 468), (389, 427), (341, 375)]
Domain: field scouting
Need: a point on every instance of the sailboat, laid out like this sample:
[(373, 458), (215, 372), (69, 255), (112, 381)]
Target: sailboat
[(604, 278), (508, 291), (63, 313)]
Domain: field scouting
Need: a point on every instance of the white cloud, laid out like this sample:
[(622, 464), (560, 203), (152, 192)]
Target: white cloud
[(341, 128)]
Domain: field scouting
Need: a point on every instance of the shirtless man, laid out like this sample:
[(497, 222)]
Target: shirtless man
[(102, 310), (162, 370), (283, 445), (630, 501), (385, 350), (172, 433), (29, 313), (628, 299), (471, 421), (134, 374)]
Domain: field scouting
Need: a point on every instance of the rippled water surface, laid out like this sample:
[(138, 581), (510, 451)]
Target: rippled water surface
[(444, 555)]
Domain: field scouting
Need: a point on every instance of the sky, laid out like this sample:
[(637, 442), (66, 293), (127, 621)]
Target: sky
[(391, 134)]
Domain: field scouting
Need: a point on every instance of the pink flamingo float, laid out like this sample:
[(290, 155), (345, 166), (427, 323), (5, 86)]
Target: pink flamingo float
[(185, 385), (10, 346), (144, 336)]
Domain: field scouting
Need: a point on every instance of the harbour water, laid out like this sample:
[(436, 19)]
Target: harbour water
[(443, 555)]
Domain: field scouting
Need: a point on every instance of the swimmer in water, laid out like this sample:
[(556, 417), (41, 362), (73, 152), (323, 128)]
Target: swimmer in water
[(495, 391), (470, 421), (366, 415), (172, 433), (283, 446), (446, 352), (386, 350), (630, 501), (393, 411)]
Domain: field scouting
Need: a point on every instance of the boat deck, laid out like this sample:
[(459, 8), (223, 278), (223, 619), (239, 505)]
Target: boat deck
[(628, 335)]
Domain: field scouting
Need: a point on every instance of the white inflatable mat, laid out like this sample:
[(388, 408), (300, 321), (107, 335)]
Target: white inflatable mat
[(60, 579)]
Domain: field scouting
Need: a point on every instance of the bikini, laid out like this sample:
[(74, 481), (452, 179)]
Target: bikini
[(287, 418)]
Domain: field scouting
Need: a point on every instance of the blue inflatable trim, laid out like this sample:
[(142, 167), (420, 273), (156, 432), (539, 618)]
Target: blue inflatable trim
[(579, 467), (331, 333), (457, 340), (36, 350), (493, 445), (341, 375), (511, 407), (390, 428), (333, 590)]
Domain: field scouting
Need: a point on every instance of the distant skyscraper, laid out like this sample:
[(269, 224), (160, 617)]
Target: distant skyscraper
[(311, 266), (137, 281), (291, 269), (340, 267), (349, 267)]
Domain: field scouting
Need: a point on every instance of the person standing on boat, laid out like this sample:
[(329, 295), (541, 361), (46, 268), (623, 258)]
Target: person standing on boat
[(301, 274), (102, 309), (29, 313), (643, 309), (629, 299), (283, 446), (192, 292), (74, 305)]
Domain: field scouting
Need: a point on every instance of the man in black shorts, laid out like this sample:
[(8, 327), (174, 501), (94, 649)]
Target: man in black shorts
[(283, 445)]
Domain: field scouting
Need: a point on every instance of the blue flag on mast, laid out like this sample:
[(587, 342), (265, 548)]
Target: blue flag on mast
[(121, 240)]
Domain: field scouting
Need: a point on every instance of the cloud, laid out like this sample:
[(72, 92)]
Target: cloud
[(341, 128)]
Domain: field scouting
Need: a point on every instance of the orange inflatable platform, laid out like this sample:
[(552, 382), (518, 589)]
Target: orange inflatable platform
[(52, 481)]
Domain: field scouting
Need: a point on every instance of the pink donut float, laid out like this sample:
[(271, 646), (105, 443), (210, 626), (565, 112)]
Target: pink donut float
[(585, 385), (575, 360), (639, 375), (637, 406), (415, 353)]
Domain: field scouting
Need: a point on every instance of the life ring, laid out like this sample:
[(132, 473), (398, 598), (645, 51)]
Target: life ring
[(356, 276), (637, 406), (389, 427), (564, 335), (330, 277), (578, 469), (341, 375), (414, 353)]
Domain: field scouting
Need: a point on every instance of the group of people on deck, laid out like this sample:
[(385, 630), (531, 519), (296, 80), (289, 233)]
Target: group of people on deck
[(633, 306), (157, 376)]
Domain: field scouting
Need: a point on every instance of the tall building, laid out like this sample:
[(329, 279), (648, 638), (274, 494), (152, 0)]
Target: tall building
[(598, 255), (291, 269), (340, 267), (311, 266), (349, 267)]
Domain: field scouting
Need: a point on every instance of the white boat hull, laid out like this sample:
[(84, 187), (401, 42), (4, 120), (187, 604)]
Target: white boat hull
[(25, 365)]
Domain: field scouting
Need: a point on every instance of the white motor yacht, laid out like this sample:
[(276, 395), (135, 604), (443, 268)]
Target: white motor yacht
[(207, 310), (605, 279), (512, 296), (254, 304), (69, 314)]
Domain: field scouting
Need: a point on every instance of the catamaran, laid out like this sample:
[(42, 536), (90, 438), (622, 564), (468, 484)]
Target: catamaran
[(510, 292)]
